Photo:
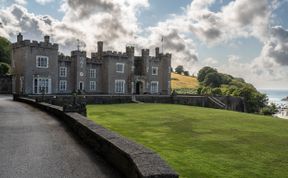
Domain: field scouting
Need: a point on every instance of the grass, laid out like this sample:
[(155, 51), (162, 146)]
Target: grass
[(180, 81), (202, 142)]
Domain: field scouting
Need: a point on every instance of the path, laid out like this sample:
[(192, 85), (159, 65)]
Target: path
[(35, 144)]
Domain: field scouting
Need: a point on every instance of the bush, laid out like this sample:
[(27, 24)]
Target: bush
[(269, 109), (4, 68)]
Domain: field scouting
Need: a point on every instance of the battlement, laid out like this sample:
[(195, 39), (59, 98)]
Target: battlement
[(80, 53), (115, 54), (64, 58), (41, 44)]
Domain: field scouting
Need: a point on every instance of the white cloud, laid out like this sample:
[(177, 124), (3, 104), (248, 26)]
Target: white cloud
[(21, 2), (43, 2)]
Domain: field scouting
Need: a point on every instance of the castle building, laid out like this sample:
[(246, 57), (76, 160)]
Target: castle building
[(37, 68)]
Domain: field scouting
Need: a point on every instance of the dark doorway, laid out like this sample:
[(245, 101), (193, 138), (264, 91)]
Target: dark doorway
[(139, 88)]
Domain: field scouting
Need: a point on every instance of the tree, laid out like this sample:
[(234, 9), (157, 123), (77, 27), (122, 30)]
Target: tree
[(5, 50), (205, 71), (179, 69), (212, 80), (186, 73), (4, 68)]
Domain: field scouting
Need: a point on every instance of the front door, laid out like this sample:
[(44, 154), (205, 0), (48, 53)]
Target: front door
[(139, 88)]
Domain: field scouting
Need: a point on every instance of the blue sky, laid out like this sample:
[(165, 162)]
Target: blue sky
[(244, 38)]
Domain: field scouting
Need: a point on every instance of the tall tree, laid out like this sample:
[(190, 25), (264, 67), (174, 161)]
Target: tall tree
[(5, 50)]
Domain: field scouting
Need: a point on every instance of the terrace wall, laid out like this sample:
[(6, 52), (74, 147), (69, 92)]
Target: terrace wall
[(232, 103)]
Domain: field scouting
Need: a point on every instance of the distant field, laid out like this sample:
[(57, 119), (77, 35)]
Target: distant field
[(202, 142), (181, 81)]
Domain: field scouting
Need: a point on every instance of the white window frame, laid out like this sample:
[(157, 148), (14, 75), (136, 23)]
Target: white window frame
[(92, 85), (118, 87), (64, 70), (61, 84), (92, 73), (156, 68), (123, 66), (39, 63), (47, 81), (152, 90)]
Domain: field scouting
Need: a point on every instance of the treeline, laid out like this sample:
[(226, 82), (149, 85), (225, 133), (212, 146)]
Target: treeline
[(214, 83), (5, 56)]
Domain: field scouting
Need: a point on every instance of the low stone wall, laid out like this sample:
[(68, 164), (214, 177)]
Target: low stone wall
[(133, 160), (232, 103)]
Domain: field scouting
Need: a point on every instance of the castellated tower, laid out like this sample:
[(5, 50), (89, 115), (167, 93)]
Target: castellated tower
[(79, 65), (34, 66)]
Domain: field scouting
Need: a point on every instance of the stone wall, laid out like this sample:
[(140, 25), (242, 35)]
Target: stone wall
[(232, 103), (5, 84), (133, 160)]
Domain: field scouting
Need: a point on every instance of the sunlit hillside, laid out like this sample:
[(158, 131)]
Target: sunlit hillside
[(181, 81)]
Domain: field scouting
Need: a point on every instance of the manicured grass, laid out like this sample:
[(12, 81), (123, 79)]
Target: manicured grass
[(201, 142), (180, 81)]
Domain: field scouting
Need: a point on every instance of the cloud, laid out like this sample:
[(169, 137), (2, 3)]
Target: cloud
[(43, 2), (239, 18), (21, 2)]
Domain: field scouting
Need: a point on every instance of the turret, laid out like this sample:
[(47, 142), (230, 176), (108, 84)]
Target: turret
[(157, 51), (19, 37), (100, 47), (46, 39), (130, 50), (145, 52)]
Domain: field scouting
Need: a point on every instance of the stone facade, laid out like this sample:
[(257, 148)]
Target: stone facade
[(38, 68)]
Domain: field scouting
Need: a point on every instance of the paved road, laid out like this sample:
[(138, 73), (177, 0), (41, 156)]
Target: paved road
[(33, 144)]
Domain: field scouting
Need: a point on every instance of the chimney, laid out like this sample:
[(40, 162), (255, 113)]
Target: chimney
[(100, 47), (46, 39), (157, 51), (19, 37)]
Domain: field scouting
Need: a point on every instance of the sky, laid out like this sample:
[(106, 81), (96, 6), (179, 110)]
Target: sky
[(244, 38)]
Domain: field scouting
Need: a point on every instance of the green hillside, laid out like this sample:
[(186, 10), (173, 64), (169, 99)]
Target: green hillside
[(203, 142)]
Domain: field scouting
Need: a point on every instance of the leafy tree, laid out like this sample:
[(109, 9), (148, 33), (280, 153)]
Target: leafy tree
[(179, 69), (212, 79), (5, 50), (4, 68), (186, 73), (205, 71), (215, 83)]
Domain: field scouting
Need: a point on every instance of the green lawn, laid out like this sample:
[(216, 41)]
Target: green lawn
[(201, 142)]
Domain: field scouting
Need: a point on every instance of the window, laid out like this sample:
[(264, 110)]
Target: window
[(92, 73), (41, 84), (42, 61), (62, 85), (154, 70), (81, 85), (119, 86), (119, 67), (92, 85), (63, 72), (154, 87)]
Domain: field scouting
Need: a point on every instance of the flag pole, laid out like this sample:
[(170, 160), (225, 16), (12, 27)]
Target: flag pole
[(162, 44)]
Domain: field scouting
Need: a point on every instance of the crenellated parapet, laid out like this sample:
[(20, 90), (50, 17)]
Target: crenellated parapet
[(42, 44)]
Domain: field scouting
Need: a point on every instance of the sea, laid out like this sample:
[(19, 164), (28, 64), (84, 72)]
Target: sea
[(276, 96)]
